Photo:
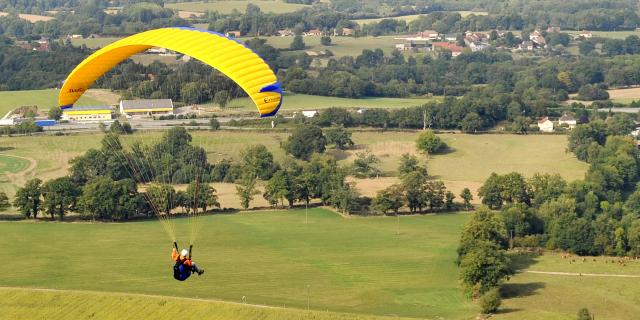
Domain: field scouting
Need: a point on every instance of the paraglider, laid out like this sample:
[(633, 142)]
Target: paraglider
[(230, 57), (184, 266), (225, 54)]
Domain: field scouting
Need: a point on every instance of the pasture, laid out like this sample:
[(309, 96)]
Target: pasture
[(228, 6), (340, 46), (294, 101), (43, 99), (556, 296), (468, 163), (357, 265)]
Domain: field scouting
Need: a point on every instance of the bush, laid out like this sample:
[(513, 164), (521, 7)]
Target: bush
[(592, 92), (490, 301), (428, 142)]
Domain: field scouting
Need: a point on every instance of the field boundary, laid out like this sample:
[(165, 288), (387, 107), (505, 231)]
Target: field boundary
[(580, 274)]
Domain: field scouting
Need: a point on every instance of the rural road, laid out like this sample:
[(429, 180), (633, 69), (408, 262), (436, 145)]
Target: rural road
[(585, 274)]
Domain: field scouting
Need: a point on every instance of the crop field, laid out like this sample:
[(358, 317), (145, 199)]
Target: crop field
[(358, 265), (608, 34), (293, 101), (43, 99), (624, 95), (411, 17), (94, 43), (227, 6)]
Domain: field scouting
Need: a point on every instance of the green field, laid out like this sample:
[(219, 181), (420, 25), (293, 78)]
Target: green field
[(354, 265), (227, 6), (23, 303), (12, 164), (292, 101), (340, 46), (94, 43), (609, 34), (470, 161), (44, 99), (540, 296)]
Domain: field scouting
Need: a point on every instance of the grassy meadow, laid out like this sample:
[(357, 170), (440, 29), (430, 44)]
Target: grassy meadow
[(357, 265), (47, 304), (470, 160), (608, 34), (44, 99), (228, 6), (294, 101), (340, 46), (411, 17)]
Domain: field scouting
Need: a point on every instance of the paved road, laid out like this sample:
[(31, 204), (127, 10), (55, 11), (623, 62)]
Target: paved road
[(140, 124)]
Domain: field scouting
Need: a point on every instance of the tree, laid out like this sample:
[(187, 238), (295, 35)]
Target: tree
[(449, 197), (484, 225), (428, 142), (466, 197), (109, 199), (246, 189), (297, 43), (586, 47), (258, 161), (410, 163), (55, 113), (366, 165), (490, 192), (4, 201), (221, 98), (27, 198), (521, 125), (471, 123), (201, 196), (325, 40), (592, 92), (414, 187), (490, 301), (214, 124), (281, 187), (483, 268), (60, 196), (389, 199), (304, 141), (339, 137), (163, 197)]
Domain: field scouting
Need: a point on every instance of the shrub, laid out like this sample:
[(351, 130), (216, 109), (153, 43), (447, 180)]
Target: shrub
[(490, 301)]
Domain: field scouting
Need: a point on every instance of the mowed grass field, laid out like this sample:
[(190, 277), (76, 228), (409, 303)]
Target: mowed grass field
[(340, 46), (228, 6), (43, 99), (11, 164), (294, 101), (357, 265)]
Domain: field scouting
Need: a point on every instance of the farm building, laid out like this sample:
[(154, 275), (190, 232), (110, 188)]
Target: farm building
[(87, 113), (146, 107), (568, 120), (545, 125)]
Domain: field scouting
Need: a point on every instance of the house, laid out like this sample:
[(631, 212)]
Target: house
[(455, 49), (233, 34), (569, 120), (526, 46), (412, 43), (537, 38), (428, 34), (87, 113), (313, 33), (286, 33), (311, 53), (545, 125), (309, 114), (451, 37), (585, 34), (553, 29), (479, 46), (146, 107), (348, 32)]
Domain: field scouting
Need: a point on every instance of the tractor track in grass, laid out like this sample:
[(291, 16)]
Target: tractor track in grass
[(580, 274)]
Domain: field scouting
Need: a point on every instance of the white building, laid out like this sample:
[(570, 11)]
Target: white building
[(309, 114), (568, 120), (545, 125), (146, 107)]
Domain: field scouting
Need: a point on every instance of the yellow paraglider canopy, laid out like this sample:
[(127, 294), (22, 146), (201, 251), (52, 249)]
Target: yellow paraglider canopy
[(229, 56)]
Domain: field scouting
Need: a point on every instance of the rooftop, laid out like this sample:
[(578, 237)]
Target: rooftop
[(86, 108)]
